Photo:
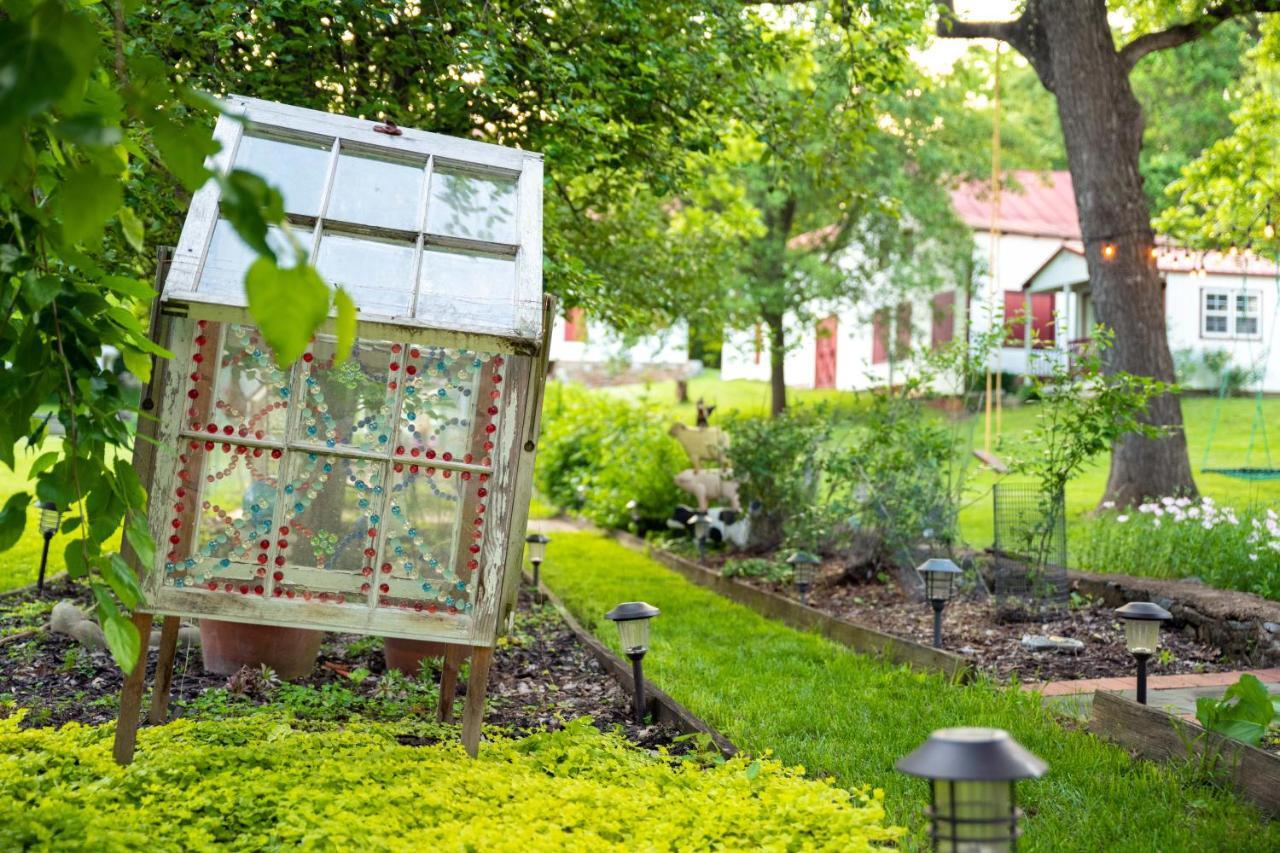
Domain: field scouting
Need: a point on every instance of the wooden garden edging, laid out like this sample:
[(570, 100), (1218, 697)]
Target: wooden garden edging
[(801, 617), (1158, 735), (660, 707)]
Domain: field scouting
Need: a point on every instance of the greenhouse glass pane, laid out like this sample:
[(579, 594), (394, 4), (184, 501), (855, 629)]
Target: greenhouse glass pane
[(236, 390), (348, 404), (442, 395), (463, 205), (297, 169), (220, 514), (467, 287), (378, 274), (376, 192), (331, 511), (229, 258), (421, 527)]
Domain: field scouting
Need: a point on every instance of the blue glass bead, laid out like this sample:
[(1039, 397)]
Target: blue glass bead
[(297, 507), (362, 503), (168, 567), (224, 563)]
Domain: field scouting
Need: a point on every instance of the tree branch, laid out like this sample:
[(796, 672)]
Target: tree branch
[(1190, 31), (951, 27)]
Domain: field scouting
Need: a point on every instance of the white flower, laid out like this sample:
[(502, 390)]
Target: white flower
[(1207, 501), (1167, 501), (1206, 524), (1157, 511), (1183, 502), (1122, 518), (1108, 504), (1194, 512), (1146, 507), (1155, 522), (1253, 557), (1271, 514)]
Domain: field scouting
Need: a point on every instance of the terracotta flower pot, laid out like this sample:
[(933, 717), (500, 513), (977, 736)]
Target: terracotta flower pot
[(407, 655), (227, 646)]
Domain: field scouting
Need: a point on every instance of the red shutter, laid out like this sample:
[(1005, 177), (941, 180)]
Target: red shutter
[(575, 325), (902, 330), (944, 318), (1042, 325), (880, 336), (824, 357)]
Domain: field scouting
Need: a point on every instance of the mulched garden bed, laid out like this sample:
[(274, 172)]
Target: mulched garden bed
[(539, 679), (970, 627)]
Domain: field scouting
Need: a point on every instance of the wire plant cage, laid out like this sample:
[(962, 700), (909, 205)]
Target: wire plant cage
[(1030, 550)]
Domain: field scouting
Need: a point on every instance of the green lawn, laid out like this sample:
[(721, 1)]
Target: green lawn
[(20, 565), (769, 687)]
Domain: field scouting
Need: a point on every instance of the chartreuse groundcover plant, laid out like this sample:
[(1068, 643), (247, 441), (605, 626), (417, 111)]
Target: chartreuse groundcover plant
[(816, 704), (265, 782)]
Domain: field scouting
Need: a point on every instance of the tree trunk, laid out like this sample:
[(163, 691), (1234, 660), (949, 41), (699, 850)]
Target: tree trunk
[(777, 363), (1102, 127)]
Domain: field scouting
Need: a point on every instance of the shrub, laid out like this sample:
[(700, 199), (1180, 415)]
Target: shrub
[(775, 461), (754, 567), (266, 782), (1178, 537), (597, 453)]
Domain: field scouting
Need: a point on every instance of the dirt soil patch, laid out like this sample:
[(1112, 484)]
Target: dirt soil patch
[(970, 628), (540, 678)]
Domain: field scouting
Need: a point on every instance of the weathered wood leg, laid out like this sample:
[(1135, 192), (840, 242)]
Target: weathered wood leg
[(473, 711), (453, 658), (163, 684), (131, 695)]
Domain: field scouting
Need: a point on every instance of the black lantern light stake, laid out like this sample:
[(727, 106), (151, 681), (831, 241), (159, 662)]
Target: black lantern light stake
[(537, 547), (700, 524), (803, 568), (50, 518), (633, 618), (939, 575), (972, 773), (1142, 636)]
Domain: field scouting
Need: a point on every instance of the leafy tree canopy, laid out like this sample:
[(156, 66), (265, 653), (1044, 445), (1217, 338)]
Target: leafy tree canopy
[(1230, 194)]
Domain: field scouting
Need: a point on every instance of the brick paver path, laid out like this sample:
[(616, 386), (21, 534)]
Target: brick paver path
[(1154, 682)]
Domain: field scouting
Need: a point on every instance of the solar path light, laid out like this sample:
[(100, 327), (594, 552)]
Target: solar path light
[(632, 618), (972, 772), (537, 549), (700, 524), (1142, 636), (803, 567), (50, 518), (939, 575)]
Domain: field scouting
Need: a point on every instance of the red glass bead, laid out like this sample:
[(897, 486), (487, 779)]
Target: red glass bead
[(277, 576), (175, 539), (277, 592), (481, 492), (307, 357), (275, 454), (244, 589), (386, 568), (382, 587), (369, 552), (466, 475), (364, 587), (395, 365), (212, 428), (201, 340), (395, 348), (491, 429), (177, 523), (197, 358), (282, 543), (413, 353), (262, 558), (258, 589), (471, 564), (279, 561), (212, 584), (193, 393), (497, 377)]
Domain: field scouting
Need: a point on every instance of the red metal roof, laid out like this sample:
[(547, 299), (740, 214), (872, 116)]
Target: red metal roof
[(1039, 204)]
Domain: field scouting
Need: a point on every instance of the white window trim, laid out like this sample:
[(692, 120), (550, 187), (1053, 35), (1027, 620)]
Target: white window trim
[(1231, 313)]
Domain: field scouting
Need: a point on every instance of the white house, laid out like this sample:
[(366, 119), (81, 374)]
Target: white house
[(589, 351), (1212, 303)]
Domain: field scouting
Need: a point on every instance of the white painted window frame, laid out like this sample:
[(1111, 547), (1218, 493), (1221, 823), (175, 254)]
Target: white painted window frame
[(1231, 313), (432, 151)]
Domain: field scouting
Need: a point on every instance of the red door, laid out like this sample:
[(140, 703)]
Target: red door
[(824, 361)]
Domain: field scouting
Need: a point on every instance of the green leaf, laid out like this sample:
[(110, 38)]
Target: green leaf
[(122, 640), (55, 491), (39, 291), (249, 203), (90, 130), (183, 151), (42, 463), (86, 201), (137, 363), (34, 72), (753, 770), (139, 539), (125, 286), (1241, 730), (129, 485), (288, 306), (75, 557), (346, 324), (123, 581), (13, 520), (134, 230)]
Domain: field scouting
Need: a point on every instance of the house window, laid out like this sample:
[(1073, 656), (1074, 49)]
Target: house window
[(891, 325), (1248, 322), (902, 330), (1230, 314)]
